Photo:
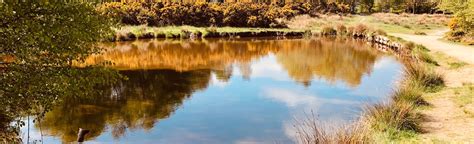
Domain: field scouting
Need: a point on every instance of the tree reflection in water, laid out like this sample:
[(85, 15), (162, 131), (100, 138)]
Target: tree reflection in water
[(162, 74), (32, 91), (136, 103), (331, 59)]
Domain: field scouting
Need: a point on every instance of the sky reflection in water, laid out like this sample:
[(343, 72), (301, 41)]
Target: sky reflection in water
[(224, 91)]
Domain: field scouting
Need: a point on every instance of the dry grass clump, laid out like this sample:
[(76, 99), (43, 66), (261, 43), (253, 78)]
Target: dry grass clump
[(328, 30), (410, 93), (419, 52), (360, 29), (350, 30), (341, 29), (423, 76), (419, 33), (390, 120), (312, 131), (357, 30), (380, 32), (300, 22)]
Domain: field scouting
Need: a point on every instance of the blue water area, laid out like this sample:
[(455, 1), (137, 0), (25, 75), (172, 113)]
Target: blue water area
[(226, 91)]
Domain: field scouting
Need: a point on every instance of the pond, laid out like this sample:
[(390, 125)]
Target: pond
[(224, 91)]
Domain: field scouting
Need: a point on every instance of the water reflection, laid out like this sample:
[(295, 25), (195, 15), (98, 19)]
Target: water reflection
[(328, 58), (332, 60), (137, 103), (224, 91)]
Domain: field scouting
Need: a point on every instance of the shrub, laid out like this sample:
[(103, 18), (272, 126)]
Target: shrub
[(360, 29), (341, 29), (350, 30), (203, 14), (328, 30), (409, 45)]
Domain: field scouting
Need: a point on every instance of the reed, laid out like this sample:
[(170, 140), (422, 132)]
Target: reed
[(311, 130)]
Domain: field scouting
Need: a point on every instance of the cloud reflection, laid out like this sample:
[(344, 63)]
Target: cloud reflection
[(302, 105), (293, 98)]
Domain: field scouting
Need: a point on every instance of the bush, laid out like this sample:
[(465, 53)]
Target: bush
[(203, 14), (360, 29), (350, 30), (328, 30), (341, 29)]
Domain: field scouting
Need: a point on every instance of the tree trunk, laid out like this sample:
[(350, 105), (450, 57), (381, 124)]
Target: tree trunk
[(414, 6)]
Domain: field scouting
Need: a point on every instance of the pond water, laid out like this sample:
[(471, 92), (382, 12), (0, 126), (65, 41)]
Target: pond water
[(224, 91)]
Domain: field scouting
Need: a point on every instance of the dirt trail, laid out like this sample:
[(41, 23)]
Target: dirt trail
[(447, 121), (433, 42), (464, 53)]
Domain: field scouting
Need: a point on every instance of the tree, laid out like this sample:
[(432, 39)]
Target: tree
[(368, 4), (42, 40), (462, 24)]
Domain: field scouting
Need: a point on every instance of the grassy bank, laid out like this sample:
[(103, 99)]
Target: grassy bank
[(143, 32), (378, 24), (395, 120)]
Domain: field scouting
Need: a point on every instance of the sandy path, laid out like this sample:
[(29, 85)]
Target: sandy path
[(446, 121), (461, 52)]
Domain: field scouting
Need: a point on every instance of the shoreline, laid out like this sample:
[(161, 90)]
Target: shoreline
[(131, 33)]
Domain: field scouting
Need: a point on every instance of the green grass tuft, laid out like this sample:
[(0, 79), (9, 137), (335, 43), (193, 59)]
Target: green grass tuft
[(417, 73)]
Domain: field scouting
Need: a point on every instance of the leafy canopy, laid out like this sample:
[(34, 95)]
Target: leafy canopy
[(38, 43)]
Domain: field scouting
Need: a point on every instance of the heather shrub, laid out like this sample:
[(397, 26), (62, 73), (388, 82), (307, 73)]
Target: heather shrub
[(210, 14), (341, 29), (360, 29), (328, 30)]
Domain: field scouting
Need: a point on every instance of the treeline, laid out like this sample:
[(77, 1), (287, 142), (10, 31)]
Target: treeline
[(211, 14), (241, 14), (462, 25), (354, 6)]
